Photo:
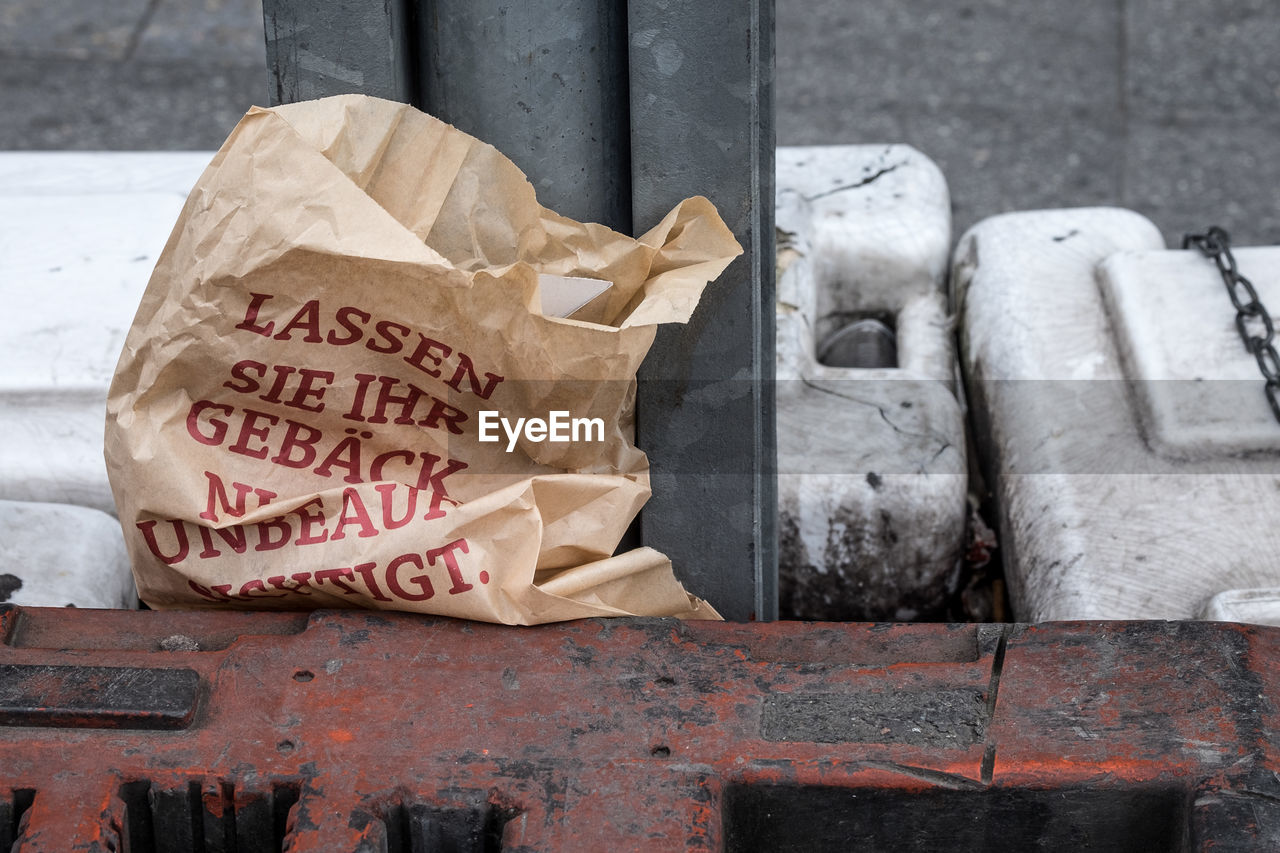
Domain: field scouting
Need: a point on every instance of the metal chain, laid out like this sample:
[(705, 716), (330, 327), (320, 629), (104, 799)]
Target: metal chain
[(1253, 320)]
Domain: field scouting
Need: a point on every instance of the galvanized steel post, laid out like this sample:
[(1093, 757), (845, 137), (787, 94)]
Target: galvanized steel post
[(546, 83), (616, 110), (320, 49), (702, 123)]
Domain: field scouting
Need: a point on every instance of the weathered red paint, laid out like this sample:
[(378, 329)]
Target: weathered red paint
[(348, 728)]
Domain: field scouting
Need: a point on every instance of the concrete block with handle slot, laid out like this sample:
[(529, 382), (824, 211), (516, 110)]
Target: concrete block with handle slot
[(1122, 423), (871, 449)]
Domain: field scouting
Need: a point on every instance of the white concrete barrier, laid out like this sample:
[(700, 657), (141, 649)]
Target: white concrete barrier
[(79, 234), (871, 460), (1256, 606), (53, 555), (1113, 408)]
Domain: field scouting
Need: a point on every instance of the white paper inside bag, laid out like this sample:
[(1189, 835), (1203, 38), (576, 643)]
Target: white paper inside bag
[(562, 295)]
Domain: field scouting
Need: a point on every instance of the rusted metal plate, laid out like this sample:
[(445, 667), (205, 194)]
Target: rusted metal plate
[(108, 697), (345, 731)]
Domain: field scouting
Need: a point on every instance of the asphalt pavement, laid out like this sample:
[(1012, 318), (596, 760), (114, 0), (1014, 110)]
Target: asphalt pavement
[(1167, 107)]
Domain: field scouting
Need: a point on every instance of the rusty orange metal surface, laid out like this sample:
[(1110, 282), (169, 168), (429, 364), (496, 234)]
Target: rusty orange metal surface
[(346, 731)]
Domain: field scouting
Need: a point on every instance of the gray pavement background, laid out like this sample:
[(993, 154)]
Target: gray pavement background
[(1168, 107)]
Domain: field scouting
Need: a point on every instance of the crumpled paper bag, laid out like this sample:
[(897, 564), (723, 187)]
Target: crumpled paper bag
[(295, 421)]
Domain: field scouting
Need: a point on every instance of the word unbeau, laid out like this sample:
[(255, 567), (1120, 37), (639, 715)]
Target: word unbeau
[(557, 428)]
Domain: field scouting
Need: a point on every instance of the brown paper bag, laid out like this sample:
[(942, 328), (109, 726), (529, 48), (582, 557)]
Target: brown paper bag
[(352, 290)]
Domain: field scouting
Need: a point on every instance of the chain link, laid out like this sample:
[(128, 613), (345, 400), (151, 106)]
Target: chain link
[(1252, 317)]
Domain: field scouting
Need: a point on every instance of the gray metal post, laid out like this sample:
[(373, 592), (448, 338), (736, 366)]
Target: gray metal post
[(616, 110), (544, 82), (702, 123), (353, 46)]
